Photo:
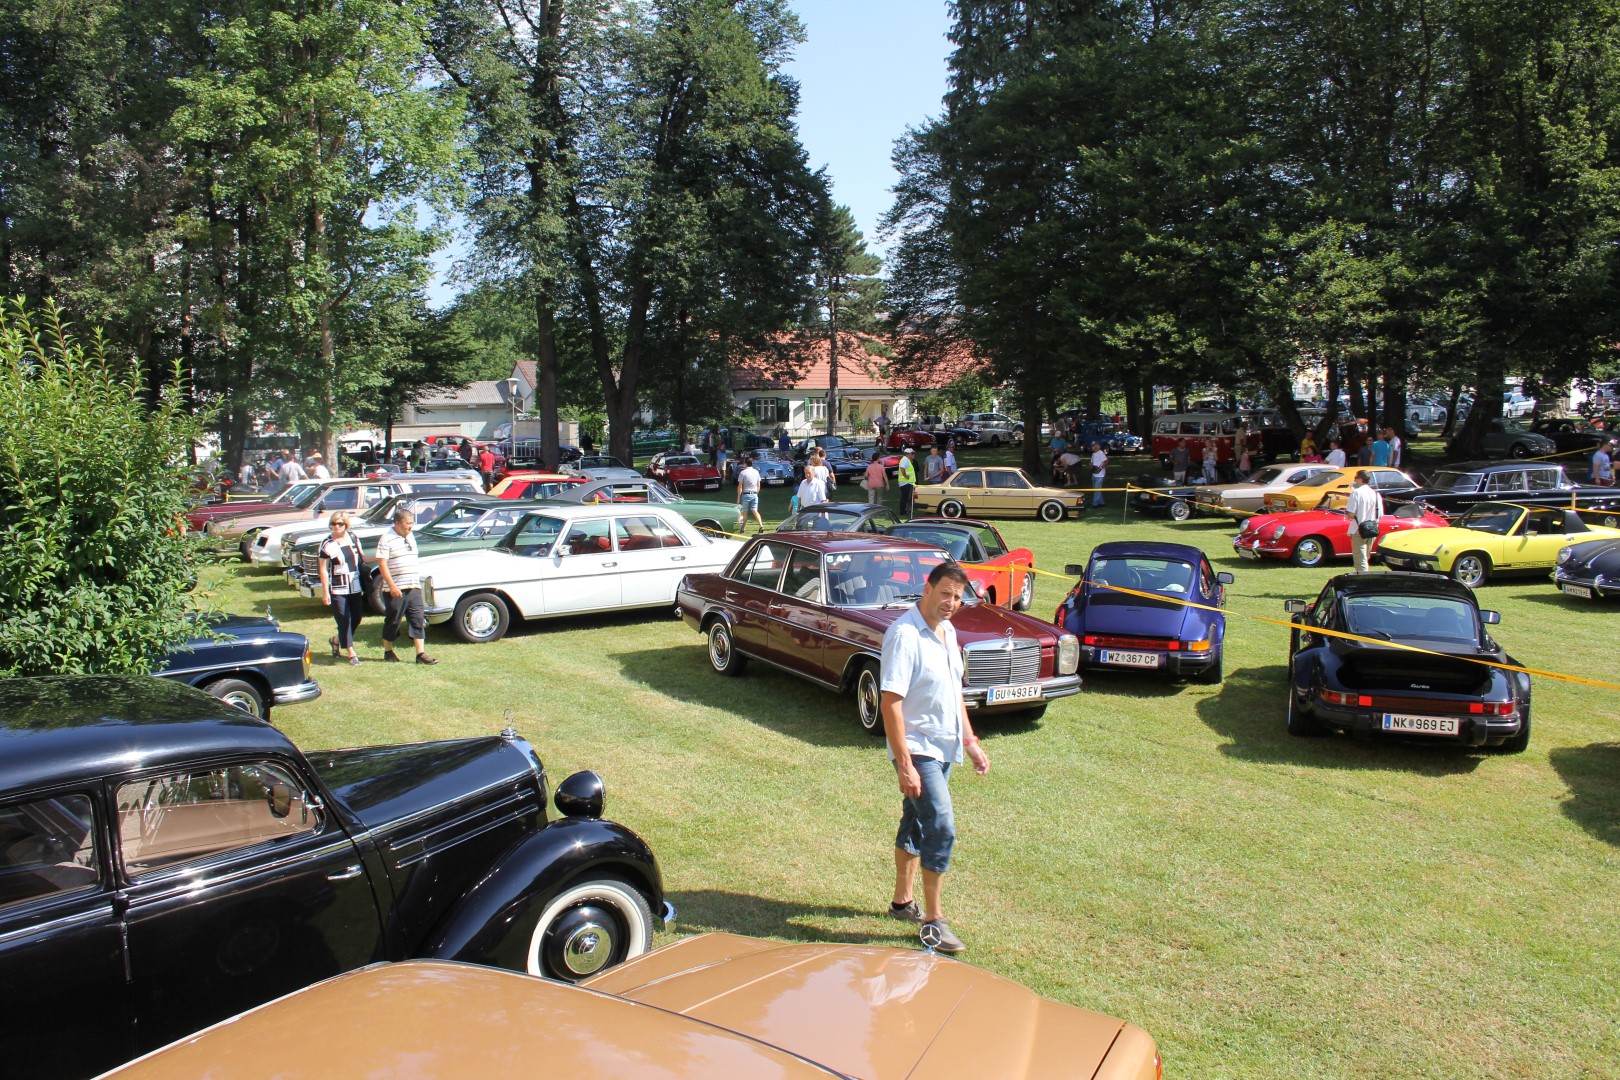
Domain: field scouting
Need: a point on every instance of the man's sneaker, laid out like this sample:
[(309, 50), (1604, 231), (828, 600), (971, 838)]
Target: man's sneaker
[(424, 658), (906, 912), (936, 934), (390, 657)]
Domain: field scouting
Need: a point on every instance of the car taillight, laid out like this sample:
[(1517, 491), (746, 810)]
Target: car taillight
[(1491, 708), (1195, 646), (1333, 697)]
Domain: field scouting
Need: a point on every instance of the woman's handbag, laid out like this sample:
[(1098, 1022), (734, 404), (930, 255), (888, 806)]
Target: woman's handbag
[(1367, 529)]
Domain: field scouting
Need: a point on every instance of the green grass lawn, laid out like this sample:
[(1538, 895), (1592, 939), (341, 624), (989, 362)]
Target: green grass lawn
[(1264, 906)]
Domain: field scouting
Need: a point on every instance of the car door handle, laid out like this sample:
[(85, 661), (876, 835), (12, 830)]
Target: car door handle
[(677, 558), (346, 874), (610, 564)]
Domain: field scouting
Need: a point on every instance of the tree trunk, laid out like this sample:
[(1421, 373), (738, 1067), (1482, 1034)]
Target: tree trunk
[(1352, 376), (545, 377), (1029, 408)]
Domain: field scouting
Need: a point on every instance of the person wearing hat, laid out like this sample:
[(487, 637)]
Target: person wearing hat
[(906, 475), (317, 468)]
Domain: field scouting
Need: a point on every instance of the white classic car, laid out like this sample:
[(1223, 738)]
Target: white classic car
[(1249, 496), (569, 560)]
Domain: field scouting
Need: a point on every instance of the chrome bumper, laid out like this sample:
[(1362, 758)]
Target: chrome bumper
[(1056, 687), (304, 691)]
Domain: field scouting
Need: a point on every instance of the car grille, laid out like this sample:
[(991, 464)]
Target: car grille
[(998, 663), (310, 564)]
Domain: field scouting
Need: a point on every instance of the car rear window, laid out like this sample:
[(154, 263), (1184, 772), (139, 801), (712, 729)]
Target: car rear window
[(1405, 618)]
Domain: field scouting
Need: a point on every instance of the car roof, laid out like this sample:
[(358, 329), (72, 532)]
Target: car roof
[(75, 728), (1496, 466), (1148, 549), (590, 511), (829, 542), (1401, 582)]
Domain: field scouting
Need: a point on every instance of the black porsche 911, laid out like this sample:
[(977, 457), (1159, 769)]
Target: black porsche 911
[(1442, 693), (1589, 570)]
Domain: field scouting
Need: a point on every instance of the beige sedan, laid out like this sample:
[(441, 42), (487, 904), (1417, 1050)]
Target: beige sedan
[(996, 492), (710, 1006)]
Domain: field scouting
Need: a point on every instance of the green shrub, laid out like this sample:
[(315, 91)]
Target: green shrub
[(95, 561)]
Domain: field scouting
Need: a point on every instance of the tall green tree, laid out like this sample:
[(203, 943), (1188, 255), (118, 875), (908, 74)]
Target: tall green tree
[(846, 307)]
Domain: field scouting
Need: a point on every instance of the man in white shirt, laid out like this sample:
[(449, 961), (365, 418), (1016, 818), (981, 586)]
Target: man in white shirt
[(1602, 467), (748, 495), (1395, 446), (318, 470), (950, 459), (926, 723), (402, 588), (1099, 473), (1335, 456), (291, 471), (1364, 505)]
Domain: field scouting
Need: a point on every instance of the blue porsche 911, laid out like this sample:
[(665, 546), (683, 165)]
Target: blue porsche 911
[(1132, 610)]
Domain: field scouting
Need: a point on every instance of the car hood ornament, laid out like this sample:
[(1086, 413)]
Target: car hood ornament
[(930, 936)]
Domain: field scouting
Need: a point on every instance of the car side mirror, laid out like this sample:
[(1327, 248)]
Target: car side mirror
[(565, 549), (1490, 618), (1075, 569), (1224, 578), (1294, 607)]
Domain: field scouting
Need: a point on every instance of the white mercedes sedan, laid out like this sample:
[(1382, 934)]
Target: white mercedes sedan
[(569, 560)]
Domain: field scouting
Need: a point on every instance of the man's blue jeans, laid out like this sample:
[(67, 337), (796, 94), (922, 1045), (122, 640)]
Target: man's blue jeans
[(927, 822)]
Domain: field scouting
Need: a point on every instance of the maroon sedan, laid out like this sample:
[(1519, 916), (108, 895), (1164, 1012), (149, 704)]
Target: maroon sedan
[(817, 603)]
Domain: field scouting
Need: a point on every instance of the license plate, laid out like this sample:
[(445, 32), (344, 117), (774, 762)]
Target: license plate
[(306, 589), (712, 486), (1129, 659), (1248, 553), (1420, 725), (998, 694), (1579, 590)]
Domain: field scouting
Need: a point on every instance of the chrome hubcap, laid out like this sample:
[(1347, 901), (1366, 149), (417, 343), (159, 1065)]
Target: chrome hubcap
[(1310, 551), (869, 700), (480, 620), (719, 649), (246, 702), (588, 948)]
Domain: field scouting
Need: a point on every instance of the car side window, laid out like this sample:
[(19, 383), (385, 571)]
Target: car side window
[(972, 478), (1206, 579), (882, 521), (537, 535), (993, 547), (588, 538), (1541, 479), (341, 499), (1506, 481), (47, 846), (1008, 481), (803, 577), (639, 533), (179, 817), (764, 569)]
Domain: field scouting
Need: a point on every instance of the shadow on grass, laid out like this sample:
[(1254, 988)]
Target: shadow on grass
[(1129, 684), (1249, 712), (757, 916), (1568, 603), (1593, 775)]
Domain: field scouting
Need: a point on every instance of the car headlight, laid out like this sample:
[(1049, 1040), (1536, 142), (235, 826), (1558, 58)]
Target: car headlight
[(1068, 655), (427, 592), (1563, 555), (1277, 533)]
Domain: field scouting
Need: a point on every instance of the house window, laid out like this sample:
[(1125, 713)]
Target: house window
[(815, 411), (769, 410)]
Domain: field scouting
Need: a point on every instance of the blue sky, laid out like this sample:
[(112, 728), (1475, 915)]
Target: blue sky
[(868, 70)]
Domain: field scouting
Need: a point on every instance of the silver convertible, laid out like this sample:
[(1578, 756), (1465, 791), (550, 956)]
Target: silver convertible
[(569, 560)]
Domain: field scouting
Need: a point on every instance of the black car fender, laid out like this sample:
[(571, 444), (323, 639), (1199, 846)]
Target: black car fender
[(491, 924)]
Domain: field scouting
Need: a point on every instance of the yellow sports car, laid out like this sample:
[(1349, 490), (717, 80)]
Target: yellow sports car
[(1492, 538), (996, 493), (1310, 492)]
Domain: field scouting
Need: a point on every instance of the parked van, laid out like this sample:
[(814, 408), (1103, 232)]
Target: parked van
[(1269, 436)]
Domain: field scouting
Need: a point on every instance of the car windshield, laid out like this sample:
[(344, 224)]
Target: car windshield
[(383, 512), (303, 498), (1321, 479), (1451, 480), (880, 578), (815, 518), (1412, 618), (952, 540), (1268, 474), (455, 521), (1151, 574), (1498, 520)]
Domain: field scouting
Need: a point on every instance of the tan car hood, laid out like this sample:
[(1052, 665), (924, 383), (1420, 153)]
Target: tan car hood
[(880, 1013)]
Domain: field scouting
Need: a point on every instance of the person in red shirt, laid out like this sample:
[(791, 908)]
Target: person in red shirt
[(486, 466)]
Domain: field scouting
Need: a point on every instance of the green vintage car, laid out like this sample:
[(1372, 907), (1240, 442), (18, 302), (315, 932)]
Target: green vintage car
[(709, 515), (648, 443), (466, 523)]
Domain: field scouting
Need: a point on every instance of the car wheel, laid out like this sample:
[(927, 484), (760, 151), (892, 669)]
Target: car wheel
[(1052, 510), (588, 928), (1520, 450), (709, 528), (1611, 521), (869, 698), (1214, 673), (723, 654), (1311, 551), (950, 508), (243, 695), (1179, 510), (246, 546), (1300, 721), (1520, 742), (480, 618), (995, 442), (1471, 568), (1026, 595)]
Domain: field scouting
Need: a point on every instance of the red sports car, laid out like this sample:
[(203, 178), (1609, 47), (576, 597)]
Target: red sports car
[(684, 471), (904, 435), (1001, 573), (1311, 537), (536, 485), (816, 604)]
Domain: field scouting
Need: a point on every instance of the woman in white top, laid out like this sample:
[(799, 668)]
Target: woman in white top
[(342, 567), (819, 475)]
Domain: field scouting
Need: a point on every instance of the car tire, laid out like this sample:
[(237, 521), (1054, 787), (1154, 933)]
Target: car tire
[(1519, 450), (869, 698), (1301, 723), (374, 594), (587, 928), (1472, 568), (1215, 672), (1311, 551), (1026, 595), (243, 695), (950, 508), (723, 654), (995, 442), (1520, 742), (1052, 510), (245, 547), (481, 618), (1180, 510), (709, 528)]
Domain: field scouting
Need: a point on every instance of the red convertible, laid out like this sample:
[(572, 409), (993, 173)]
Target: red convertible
[(904, 435), (684, 471), (1311, 537), (1002, 574), (816, 604)]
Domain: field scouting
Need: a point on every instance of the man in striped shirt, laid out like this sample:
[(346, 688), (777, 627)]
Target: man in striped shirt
[(396, 559)]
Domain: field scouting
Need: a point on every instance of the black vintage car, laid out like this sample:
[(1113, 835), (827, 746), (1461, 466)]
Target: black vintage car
[(1455, 488), (245, 660), (841, 517), (167, 861), (1162, 495), (1589, 570), (848, 464), (1439, 694)]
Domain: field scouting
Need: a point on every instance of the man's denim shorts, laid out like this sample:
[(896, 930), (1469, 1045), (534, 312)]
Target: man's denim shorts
[(927, 823), (748, 501)]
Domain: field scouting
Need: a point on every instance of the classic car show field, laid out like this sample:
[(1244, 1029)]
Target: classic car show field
[(1161, 851)]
